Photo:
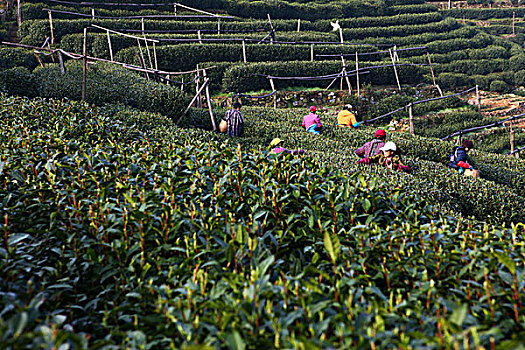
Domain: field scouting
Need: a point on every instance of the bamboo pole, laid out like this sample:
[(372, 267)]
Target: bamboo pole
[(109, 44), (141, 55), (149, 53), (341, 34), (208, 99), (198, 89), (298, 25), (272, 29), (84, 65), (395, 69), (357, 74), (511, 137), (199, 36), (411, 119), (513, 23), (312, 52), (346, 76), (449, 4), (92, 13), (175, 9), (478, 98), (155, 56), (192, 101), (142, 26), (432, 70), (39, 60), (18, 13), (275, 95), (61, 61), (219, 26), (51, 27), (244, 51)]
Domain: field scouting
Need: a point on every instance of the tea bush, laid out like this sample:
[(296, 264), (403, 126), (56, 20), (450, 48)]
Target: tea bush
[(113, 238)]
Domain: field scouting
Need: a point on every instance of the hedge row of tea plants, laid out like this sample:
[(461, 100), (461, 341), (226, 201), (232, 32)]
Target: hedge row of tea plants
[(116, 239), (105, 83)]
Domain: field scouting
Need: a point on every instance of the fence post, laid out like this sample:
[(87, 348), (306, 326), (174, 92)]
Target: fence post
[(411, 119), (197, 87), (478, 98), (244, 50), (395, 69), (19, 13), (513, 23), (84, 65), (208, 99), (51, 27), (357, 74), (274, 95)]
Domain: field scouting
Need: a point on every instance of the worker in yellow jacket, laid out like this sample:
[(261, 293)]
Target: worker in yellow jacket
[(346, 118)]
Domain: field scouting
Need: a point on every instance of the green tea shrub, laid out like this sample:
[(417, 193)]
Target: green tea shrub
[(500, 86), (15, 57), (18, 81), (110, 84)]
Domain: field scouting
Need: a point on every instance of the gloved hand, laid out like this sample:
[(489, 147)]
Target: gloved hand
[(461, 170), (364, 161), (356, 125)]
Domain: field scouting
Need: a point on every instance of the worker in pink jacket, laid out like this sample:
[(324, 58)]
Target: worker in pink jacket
[(311, 121)]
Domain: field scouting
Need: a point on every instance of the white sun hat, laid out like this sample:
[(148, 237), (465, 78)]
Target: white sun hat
[(389, 146)]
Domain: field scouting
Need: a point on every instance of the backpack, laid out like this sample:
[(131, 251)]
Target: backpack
[(453, 156)]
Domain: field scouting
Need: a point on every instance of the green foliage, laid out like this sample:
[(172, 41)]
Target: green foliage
[(14, 57), (500, 86), (18, 81), (128, 235), (105, 84)]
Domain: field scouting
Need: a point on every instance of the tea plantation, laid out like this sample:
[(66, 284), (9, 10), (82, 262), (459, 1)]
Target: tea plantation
[(121, 228)]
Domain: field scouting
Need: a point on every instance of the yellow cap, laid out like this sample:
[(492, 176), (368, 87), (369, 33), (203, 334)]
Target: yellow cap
[(275, 142)]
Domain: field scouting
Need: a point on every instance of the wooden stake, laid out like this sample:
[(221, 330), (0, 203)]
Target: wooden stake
[(346, 76), (208, 99), (357, 73), (478, 98), (51, 27), (18, 13), (411, 119), (92, 13), (192, 101), (39, 60), (199, 36), (199, 97), (341, 34), (142, 25), (155, 55), (312, 52), (431, 69), (219, 26), (109, 44), (244, 51), (61, 61), (149, 53), (84, 65), (395, 69), (513, 23), (298, 24), (272, 32), (511, 137), (274, 95), (141, 56)]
